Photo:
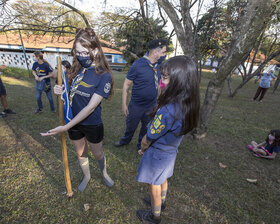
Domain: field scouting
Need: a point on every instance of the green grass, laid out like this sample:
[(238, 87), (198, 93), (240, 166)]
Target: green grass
[(32, 178), (16, 72)]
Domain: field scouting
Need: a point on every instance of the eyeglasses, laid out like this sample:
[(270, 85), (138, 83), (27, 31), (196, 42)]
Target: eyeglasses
[(82, 53)]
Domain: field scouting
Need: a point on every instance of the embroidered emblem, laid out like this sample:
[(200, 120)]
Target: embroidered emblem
[(162, 126), (158, 131), (107, 87), (153, 131), (157, 122)]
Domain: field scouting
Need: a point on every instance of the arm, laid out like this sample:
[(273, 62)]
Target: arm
[(35, 75), (261, 144), (47, 76), (125, 90), (93, 103), (269, 157), (144, 145)]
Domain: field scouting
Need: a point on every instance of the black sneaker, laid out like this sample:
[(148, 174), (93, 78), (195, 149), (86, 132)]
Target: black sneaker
[(147, 200), (147, 217), (3, 114), (38, 111), (119, 144), (9, 111)]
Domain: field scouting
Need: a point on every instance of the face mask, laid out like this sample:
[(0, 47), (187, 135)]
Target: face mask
[(84, 61), (162, 85), (271, 137), (162, 58)]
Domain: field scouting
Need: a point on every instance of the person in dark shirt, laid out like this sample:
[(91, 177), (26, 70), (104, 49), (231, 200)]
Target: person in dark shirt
[(3, 97), (90, 84), (176, 114), (145, 75), (269, 148), (42, 72)]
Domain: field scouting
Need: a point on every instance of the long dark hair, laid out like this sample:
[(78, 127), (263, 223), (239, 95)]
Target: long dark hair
[(276, 133), (183, 89), (88, 39)]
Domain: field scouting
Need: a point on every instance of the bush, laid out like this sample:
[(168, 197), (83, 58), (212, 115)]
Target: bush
[(16, 72)]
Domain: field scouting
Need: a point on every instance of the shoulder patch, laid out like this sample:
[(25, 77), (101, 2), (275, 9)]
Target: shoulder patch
[(107, 87)]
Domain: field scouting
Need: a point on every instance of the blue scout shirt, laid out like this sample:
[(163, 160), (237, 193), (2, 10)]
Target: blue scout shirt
[(162, 132), (144, 92), (91, 83), (272, 149), (42, 69), (265, 80)]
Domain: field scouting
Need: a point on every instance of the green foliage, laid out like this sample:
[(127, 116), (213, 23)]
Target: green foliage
[(131, 32), (16, 72)]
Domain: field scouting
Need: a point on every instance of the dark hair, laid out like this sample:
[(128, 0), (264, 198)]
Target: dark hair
[(88, 39), (276, 133), (183, 89), (40, 55), (66, 64)]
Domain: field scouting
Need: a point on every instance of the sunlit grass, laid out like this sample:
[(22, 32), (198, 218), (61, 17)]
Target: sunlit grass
[(32, 178)]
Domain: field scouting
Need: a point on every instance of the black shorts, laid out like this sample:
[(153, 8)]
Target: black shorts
[(2, 88), (93, 133)]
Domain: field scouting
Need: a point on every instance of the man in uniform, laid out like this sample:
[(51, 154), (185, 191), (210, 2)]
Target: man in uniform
[(145, 75)]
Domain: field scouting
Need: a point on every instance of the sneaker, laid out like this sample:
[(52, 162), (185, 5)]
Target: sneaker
[(9, 111), (147, 217), (147, 200), (250, 147), (119, 144), (38, 111), (3, 114)]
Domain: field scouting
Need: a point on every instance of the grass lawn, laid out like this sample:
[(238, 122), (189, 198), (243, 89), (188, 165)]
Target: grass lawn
[(32, 188)]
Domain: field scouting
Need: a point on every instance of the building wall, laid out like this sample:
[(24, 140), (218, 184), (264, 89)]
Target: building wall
[(16, 59)]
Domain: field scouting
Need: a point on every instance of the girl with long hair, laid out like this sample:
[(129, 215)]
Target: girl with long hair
[(91, 81), (269, 148), (176, 114), (42, 72)]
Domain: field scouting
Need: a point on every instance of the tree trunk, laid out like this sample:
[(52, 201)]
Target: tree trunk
[(229, 81), (183, 31), (248, 29)]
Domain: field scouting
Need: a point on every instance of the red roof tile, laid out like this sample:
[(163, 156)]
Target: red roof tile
[(40, 42)]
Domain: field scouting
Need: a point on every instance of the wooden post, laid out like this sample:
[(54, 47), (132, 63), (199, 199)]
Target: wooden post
[(63, 139)]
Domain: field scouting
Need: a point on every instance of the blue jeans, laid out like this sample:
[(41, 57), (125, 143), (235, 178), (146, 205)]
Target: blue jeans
[(136, 115), (44, 86)]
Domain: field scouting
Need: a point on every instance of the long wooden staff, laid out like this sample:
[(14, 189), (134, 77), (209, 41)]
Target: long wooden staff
[(63, 139)]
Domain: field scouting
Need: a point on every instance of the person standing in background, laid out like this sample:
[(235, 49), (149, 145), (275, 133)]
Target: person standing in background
[(3, 96)]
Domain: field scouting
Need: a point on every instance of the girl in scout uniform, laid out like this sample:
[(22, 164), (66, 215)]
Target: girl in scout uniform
[(90, 84), (177, 113)]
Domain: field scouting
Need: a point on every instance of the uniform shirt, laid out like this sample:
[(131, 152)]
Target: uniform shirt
[(265, 80), (162, 132), (91, 83), (144, 92), (272, 149), (42, 69)]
